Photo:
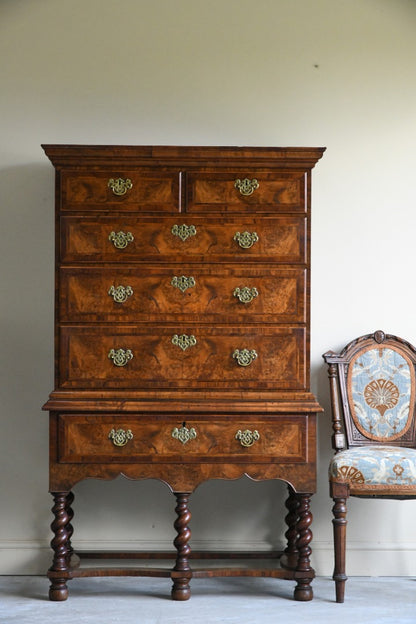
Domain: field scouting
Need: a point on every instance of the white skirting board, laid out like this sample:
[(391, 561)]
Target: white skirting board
[(363, 558)]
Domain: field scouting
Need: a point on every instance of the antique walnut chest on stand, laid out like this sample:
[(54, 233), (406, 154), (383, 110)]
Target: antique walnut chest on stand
[(182, 337)]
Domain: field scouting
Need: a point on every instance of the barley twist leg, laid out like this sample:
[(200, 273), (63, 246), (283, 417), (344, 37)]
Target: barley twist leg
[(182, 573), (304, 573), (58, 572)]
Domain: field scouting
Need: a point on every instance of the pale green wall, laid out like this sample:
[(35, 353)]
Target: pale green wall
[(335, 73)]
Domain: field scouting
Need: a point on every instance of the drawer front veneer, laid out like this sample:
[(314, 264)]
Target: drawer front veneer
[(183, 357), (273, 239), (121, 438), (223, 294), (136, 190), (243, 192)]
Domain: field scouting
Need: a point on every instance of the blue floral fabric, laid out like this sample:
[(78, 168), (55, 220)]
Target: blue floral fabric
[(375, 466), (381, 387)]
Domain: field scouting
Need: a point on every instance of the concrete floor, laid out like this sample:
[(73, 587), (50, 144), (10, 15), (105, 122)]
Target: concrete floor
[(130, 600)]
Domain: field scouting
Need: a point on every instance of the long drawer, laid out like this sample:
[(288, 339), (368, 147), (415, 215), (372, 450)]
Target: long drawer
[(136, 438), (134, 239), (221, 293), (183, 357)]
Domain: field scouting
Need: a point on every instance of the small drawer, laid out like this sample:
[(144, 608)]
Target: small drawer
[(183, 293), (183, 356), (109, 239), (138, 190), (136, 438), (243, 191)]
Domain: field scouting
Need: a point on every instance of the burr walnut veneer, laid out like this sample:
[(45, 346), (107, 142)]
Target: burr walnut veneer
[(182, 337)]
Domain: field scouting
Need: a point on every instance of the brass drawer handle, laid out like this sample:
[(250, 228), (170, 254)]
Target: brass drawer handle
[(119, 186), (246, 186), (246, 294), (183, 434), (184, 341), (183, 231), (120, 437), (121, 239), (246, 239), (247, 437), (120, 357), (120, 294), (245, 357), (183, 282)]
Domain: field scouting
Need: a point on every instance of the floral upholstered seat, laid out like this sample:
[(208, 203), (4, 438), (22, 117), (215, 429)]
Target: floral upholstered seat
[(376, 468), (372, 383)]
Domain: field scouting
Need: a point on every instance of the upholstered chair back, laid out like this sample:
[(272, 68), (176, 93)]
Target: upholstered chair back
[(376, 376), (381, 390)]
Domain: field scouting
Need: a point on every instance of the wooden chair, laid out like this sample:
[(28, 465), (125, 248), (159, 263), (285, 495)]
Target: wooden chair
[(372, 383)]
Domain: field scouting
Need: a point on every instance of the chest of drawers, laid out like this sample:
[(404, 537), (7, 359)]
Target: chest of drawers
[(182, 334)]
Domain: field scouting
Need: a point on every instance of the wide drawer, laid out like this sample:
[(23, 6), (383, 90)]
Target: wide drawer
[(129, 239), (135, 439), (138, 190), (245, 191), (252, 294), (220, 357)]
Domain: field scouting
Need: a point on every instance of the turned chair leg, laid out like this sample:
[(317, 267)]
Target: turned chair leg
[(339, 522), (304, 572), (182, 573), (58, 572)]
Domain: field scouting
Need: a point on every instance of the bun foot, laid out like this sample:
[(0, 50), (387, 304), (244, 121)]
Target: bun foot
[(181, 592), (58, 592), (303, 592)]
